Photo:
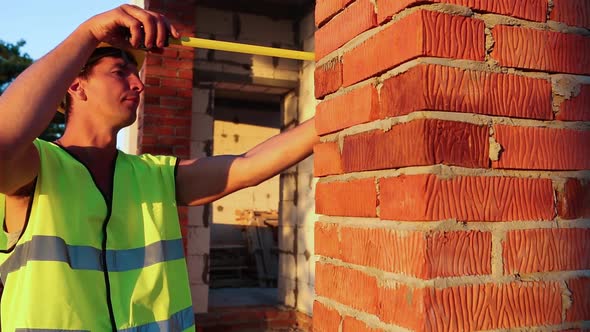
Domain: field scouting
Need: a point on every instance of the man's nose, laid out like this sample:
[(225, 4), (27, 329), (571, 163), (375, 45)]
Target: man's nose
[(136, 83)]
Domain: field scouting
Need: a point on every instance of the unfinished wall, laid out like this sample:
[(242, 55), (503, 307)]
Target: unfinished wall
[(454, 165), (296, 260)]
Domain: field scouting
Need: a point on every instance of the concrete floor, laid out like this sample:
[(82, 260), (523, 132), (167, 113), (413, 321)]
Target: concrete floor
[(238, 297)]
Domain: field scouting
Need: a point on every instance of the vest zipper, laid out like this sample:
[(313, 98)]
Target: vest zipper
[(104, 264), (109, 202)]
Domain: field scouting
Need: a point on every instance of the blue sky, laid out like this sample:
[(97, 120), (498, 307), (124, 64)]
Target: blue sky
[(44, 24)]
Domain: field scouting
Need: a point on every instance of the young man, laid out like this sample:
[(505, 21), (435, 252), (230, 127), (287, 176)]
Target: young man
[(95, 243)]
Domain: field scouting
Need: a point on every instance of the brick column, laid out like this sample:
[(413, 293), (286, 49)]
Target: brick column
[(454, 185), (166, 122), (166, 127)]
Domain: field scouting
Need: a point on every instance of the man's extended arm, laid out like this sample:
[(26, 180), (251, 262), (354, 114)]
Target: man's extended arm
[(207, 179)]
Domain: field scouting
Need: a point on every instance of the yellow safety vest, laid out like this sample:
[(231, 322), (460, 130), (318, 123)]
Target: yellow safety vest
[(84, 263)]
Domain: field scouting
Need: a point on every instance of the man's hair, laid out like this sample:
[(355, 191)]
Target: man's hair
[(99, 53)]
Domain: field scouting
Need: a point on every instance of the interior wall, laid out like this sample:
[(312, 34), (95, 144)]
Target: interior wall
[(217, 71), (235, 133)]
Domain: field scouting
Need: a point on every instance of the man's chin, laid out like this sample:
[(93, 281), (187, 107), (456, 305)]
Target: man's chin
[(130, 120)]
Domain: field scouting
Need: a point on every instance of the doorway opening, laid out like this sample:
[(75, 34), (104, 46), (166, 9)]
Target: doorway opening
[(243, 258)]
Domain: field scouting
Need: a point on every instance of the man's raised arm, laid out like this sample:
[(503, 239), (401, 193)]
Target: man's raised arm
[(29, 104)]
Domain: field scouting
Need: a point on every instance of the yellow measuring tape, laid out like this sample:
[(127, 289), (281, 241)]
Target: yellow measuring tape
[(242, 48)]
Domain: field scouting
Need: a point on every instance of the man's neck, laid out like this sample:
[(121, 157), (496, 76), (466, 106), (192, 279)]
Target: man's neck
[(98, 157), (91, 149)]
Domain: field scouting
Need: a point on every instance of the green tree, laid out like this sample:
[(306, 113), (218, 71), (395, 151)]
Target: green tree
[(12, 63)]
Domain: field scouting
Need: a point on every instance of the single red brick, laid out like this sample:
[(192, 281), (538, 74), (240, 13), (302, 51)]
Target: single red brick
[(328, 78), (440, 88), (384, 249), (161, 71), (355, 198), (418, 143), (155, 120), (491, 306), (427, 197), (187, 93), (423, 33), (424, 255), (358, 106), (325, 9), (541, 50), (576, 108), (346, 286), (542, 148), (186, 54), (165, 131), (546, 250), (152, 59), (160, 91), (403, 306), (327, 240), (580, 297), (169, 52), (157, 110), (574, 201), (535, 10), (178, 64), (353, 325), (304, 321), (572, 12), (147, 139), (357, 18), (151, 100), (387, 8), (152, 81), (326, 159), (186, 74), (182, 131), (176, 102), (459, 253), (325, 319), (170, 140), (177, 82)]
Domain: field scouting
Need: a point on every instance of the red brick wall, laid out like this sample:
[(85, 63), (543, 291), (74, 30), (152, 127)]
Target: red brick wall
[(453, 189), (165, 125)]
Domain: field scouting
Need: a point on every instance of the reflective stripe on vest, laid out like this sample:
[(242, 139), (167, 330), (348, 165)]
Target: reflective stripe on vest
[(180, 321), (49, 248)]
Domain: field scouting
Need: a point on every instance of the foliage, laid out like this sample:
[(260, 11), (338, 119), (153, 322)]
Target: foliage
[(12, 63)]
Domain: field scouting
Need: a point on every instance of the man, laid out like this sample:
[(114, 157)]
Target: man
[(95, 241)]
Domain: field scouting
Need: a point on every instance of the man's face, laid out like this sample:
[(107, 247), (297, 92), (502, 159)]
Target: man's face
[(113, 89)]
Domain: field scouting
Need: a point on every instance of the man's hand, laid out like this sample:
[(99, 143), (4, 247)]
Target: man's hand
[(131, 26)]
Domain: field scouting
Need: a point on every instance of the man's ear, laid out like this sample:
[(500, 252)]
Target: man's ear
[(76, 89)]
